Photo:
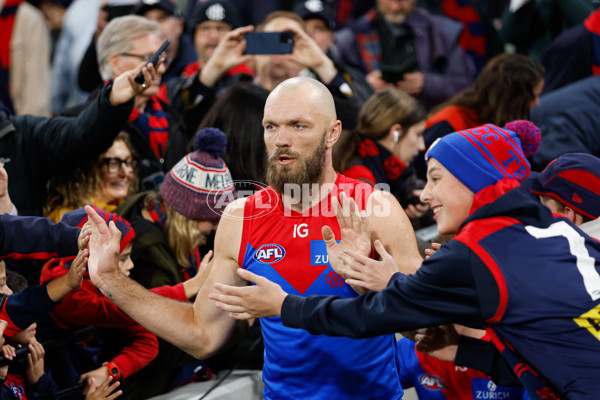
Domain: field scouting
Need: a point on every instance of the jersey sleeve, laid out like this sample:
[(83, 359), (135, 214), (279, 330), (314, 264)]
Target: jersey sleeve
[(36, 237)]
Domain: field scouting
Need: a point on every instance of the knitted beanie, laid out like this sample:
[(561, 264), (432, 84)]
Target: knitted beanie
[(199, 186), (572, 179), (79, 217), (215, 10), (481, 156)]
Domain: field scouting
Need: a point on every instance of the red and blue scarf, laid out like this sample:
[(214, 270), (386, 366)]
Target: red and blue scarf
[(154, 124), (472, 39)]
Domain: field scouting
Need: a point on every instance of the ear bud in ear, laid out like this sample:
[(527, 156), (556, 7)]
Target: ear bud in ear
[(396, 136)]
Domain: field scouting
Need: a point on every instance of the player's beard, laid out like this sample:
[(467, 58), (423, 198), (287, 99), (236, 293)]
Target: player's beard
[(303, 170)]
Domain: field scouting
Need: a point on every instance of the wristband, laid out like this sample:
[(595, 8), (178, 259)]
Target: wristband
[(113, 370)]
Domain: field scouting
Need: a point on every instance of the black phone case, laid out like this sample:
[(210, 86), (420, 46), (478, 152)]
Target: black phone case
[(269, 42)]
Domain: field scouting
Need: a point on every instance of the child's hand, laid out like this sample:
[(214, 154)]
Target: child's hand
[(434, 247), (77, 270), (84, 236), (100, 375), (9, 352), (102, 392), (35, 362), (3, 326)]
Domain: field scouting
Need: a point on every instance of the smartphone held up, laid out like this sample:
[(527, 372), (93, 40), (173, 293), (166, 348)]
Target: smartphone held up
[(270, 42), (140, 76)]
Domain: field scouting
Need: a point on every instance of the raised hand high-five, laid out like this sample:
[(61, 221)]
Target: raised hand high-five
[(104, 247), (355, 235)]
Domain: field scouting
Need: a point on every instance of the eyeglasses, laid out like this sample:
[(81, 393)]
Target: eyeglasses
[(145, 57), (114, 163)]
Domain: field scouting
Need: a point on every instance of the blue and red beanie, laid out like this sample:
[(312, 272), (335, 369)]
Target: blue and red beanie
[(482, 156), (79, 217), (200, 185), (573, 179)]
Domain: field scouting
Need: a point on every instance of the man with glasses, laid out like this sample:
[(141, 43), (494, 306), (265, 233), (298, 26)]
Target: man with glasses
[(156, 130)]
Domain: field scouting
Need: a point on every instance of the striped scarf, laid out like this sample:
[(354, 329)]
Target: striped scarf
[(368, 44), (592, 24), (154, 124), (7, 22), (385, 166), (472, 39)]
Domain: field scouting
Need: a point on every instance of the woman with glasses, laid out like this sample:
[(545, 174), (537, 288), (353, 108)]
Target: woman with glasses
[(105, 182)]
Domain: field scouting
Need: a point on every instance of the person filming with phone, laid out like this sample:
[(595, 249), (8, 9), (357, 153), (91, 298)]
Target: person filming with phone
[(283, 50)]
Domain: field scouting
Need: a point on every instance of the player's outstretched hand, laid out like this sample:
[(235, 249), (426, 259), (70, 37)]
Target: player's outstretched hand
[(245, 302), (355, 234), (104, 248)]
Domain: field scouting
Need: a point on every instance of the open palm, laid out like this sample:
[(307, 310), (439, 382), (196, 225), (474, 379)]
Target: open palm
[(355, 235)]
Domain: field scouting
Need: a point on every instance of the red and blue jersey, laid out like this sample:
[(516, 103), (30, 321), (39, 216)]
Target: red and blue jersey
[(287, 247), (435, 379)]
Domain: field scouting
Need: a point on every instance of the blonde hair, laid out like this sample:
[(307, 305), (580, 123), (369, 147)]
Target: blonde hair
[(182, 233)]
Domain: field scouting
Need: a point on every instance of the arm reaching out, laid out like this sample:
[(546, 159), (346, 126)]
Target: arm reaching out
[(199, 328), (192, 286), (62, 286), (261, 300)]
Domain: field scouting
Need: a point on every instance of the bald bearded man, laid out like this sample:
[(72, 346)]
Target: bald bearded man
[(276, 233)]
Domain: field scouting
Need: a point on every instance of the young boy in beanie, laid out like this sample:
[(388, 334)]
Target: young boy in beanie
[(570, 186), (87, 306), (530, 278)]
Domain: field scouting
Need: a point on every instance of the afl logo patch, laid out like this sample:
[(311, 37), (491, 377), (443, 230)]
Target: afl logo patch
[(431, 382), (269, 253)]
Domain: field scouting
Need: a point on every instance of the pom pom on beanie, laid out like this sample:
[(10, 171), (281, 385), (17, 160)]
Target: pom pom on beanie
[(212, 141), (529, 134)]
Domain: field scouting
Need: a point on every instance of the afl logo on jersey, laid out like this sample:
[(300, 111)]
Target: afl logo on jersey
[(269, 253), (431, 382)]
